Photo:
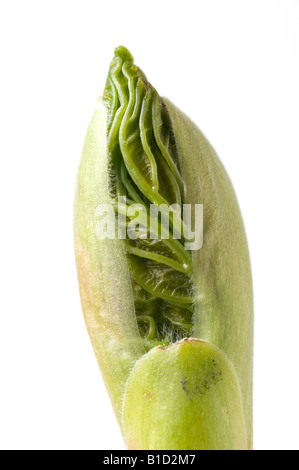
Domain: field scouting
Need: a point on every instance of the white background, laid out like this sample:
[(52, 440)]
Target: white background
[(233, 67)]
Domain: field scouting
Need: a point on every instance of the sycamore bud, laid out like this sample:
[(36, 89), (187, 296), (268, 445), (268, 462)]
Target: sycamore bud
[(152, 274)]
